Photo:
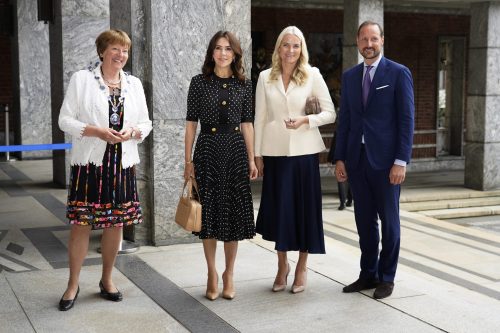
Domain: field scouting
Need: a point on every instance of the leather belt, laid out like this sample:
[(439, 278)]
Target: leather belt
[(220, 128)]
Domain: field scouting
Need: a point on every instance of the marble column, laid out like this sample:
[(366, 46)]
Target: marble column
[(482, 139), (34, 73), (129, 16), (178, 37), (76, 25), (355, 13)]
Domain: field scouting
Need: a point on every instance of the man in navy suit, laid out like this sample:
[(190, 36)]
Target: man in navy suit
[(373, 146)]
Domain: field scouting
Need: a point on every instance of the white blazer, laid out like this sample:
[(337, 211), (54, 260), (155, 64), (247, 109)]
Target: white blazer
[(86, 103), (273, 105)]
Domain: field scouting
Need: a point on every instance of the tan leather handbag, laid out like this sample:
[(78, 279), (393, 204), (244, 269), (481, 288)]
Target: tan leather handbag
[(312, 105), (188, 214)]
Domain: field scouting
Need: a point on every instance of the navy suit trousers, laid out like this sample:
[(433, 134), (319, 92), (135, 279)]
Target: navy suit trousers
[(375, 197)]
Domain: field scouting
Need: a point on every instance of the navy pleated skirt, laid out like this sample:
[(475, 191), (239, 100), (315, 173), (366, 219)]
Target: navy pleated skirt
[(290, 208)]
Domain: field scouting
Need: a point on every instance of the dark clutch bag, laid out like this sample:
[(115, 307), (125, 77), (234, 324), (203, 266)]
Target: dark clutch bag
[(312, 105)]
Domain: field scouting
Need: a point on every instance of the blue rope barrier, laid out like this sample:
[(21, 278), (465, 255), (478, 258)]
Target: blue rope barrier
[(54, 146)]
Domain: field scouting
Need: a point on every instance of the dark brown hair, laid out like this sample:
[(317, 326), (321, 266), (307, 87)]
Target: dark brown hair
[(236, 65), (365, 23), (113, 36)]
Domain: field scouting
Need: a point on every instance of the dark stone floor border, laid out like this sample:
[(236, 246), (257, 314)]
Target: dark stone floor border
[(51, 248), (18, 262), (190, 313), (425, 269), (13, 172), (441, 261), (52, 204), (453, 232)]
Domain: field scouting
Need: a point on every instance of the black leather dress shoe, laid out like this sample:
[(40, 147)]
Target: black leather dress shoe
[(348, 203), (384, 289), (66, 304), (341, 207), (360, 284), (115, 297)]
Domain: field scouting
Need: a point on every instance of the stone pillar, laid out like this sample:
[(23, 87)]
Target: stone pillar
[(76, 25), (178, 37), (129, 16), (34, 73), (355, 13), (482, 139)]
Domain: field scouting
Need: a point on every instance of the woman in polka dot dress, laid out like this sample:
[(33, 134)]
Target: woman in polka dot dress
[(223, 163)]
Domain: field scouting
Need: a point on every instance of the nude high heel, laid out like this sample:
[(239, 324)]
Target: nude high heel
[(280, 287), (298, 289), (212, 295), (227, 294)]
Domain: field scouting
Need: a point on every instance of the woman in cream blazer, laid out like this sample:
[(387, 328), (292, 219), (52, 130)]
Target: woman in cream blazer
[(287, 143)]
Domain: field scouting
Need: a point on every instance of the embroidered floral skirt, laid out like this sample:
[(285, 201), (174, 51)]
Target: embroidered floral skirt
[(104, 196)]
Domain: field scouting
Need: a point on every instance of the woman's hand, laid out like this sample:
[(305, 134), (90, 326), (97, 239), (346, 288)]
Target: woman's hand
[(296, 122), (188, 170), (110, 135), (252, 170), (126, 133), (259, 163)]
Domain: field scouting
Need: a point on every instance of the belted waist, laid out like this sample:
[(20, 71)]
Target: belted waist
[(220, 128)]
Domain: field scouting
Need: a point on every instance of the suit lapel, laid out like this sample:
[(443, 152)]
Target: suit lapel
[(377, 79), (281, 86)]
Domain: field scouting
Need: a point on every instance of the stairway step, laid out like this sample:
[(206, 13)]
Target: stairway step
[(462, 212), (444, 193), (448, 204)]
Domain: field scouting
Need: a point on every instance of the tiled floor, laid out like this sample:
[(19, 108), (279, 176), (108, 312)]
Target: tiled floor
[(448, 278)]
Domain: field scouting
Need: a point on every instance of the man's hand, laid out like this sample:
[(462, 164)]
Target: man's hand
[(340, 171), (397, 174)]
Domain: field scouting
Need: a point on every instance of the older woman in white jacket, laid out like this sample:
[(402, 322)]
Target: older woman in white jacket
[(105, 113), (287, 143)]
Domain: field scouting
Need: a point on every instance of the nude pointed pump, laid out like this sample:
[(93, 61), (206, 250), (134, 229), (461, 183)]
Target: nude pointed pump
[(298, 289), (212, 295), (227, 293), (280, 287)]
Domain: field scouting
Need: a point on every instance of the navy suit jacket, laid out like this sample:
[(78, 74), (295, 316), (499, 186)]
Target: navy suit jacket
[(387, 120)]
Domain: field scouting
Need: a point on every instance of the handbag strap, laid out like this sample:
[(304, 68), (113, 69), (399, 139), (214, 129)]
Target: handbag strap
[(190, 183)]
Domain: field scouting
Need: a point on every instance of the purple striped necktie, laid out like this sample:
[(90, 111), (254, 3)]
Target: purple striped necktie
[(367, 81)]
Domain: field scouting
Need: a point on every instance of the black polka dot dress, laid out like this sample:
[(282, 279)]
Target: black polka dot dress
[(220, 156)]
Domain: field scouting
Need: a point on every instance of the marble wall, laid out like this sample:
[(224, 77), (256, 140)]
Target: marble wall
[(34, 73), (482, 139), (179, 35), (356, 12), (76, 25)]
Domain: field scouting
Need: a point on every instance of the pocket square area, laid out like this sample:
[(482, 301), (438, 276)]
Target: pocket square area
[(382, 87)]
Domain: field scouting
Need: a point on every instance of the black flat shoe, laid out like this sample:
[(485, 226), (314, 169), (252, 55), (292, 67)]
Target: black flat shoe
[(66, 304), (115, 297), (341, 207), (348, 203)]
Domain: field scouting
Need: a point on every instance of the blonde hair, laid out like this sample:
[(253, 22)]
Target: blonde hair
[(299, 75)]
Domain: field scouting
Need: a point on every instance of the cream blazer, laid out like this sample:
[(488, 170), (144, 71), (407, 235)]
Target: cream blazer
[(273, 105), (86, 103)]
